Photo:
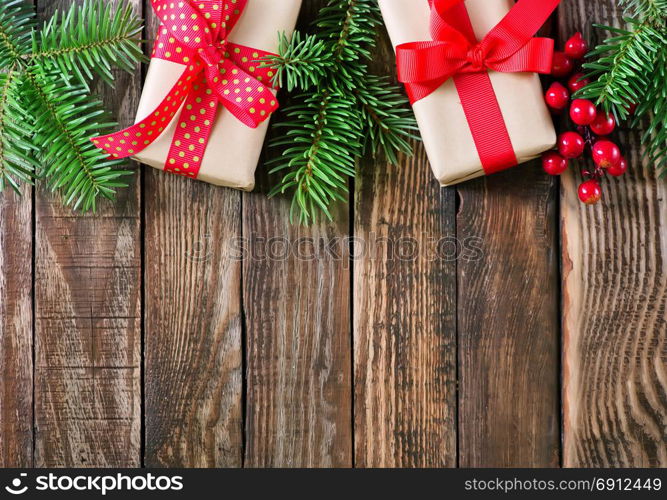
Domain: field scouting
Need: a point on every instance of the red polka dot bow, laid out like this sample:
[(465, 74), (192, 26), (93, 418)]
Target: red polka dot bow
[(216, 72)]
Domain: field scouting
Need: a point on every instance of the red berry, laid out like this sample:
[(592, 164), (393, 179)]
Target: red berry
[(571, 145), (553, 163), (604, 124), (606, 154), (562, 65), (557, 96), (590, 192), (632, 108), (620, 169), (576, 47), (582, 112), (577, 82)]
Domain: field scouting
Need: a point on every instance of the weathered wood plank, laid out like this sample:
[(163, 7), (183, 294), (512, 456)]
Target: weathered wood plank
[(193, 364), (298, 341), (614, 303), (404, 312), (297, 312), (508, 321), (87, 319), (16, 328), (404, 318)]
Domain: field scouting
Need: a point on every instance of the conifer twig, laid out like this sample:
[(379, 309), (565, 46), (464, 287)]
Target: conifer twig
[(345, 113)]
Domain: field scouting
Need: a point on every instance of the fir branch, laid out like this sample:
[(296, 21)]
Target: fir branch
[(621, 67), (17, 162), (349, 26), (46, 120), (647, 9), (87, 39), (65, 119), (387, 118), (17, 20), (348, 113), (655, 104), (629, 68), (301, 62), (321, 130)]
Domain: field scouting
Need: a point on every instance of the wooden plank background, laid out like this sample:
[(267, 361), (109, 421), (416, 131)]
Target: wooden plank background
[(614, 304), (138, 337)]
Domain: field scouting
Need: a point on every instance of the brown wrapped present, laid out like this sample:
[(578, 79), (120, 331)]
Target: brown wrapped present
[(206, 103), (445, 128)]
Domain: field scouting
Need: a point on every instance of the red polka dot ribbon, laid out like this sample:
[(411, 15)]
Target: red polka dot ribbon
[(454, 52), (194, 33)]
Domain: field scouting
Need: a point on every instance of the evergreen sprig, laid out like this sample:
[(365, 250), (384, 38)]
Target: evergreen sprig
[(109, 39), (17, 20), (342, 112), (47, 115), (629, 69), (17, 149)]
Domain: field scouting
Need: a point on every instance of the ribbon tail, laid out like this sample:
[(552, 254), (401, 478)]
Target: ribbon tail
[(142, 134), (420, 90), (193, 130)]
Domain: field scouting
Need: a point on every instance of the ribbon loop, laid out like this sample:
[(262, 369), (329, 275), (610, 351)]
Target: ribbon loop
[(454, 52), (509, 47), (216, 72)]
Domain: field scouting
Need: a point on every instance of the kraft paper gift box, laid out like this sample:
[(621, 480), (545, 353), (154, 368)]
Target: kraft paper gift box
[(445, 131), (233, 149)]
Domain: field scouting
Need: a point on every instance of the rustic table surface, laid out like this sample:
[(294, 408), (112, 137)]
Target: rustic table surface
[(134, 337)]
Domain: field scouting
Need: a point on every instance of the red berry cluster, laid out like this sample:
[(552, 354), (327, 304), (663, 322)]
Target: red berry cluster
[(592, 125)]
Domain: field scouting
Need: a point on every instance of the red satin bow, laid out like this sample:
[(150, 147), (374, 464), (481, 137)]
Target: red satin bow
[(216, 72), (508, 48), (455, 53)]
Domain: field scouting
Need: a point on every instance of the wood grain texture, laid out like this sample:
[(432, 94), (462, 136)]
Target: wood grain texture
[(404, 311), (298, 340), (404, 318), (508, 321), (296, 293), (193, 325), (16, 328), (614, 305), (87, 319), (193, 357)]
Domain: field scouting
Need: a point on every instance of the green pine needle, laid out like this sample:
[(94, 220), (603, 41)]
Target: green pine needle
[(343, 112), (17, 20), (629, 68), (110, 39), (65, 119), (387, 118), (47, 115), (17, 149), (321, 143), (646, 9), (301, 63)]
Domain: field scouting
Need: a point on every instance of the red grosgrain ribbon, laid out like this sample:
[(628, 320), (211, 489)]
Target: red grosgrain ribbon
[(456, 53), (217, 72)]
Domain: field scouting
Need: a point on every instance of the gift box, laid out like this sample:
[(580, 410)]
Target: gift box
[(479, 105), (206, 102)]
